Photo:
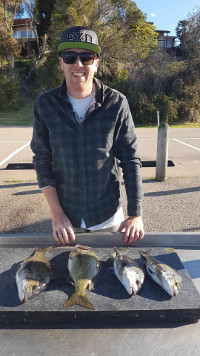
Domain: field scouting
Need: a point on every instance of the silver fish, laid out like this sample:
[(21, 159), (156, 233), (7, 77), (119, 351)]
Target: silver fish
[(127, 271), (33, 275), (168, 278)]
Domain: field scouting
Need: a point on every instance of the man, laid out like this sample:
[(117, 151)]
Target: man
[(83, 131)]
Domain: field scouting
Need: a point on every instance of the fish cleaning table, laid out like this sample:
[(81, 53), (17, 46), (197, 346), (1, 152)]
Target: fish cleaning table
[(113, 306)]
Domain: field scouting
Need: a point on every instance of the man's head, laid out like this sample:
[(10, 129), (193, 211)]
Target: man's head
[(78, 57)]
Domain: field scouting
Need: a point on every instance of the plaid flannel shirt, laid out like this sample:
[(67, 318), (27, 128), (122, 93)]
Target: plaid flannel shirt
[(82, 160)]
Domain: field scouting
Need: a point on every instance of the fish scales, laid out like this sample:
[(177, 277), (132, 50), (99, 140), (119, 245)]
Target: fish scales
[(167, 277), (83, 266), (127, 271)]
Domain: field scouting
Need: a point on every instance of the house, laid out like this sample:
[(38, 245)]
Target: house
[(165, 40), (24, 33)]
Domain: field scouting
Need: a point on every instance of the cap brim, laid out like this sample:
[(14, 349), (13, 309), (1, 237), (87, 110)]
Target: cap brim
[(68, 45)]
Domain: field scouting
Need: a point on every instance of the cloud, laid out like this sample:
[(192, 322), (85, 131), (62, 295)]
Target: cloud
[(153, 15)]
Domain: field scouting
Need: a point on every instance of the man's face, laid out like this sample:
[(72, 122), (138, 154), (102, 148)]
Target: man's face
[(79, 76)]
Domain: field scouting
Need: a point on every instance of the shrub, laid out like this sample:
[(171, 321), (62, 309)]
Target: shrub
[(9, 90)]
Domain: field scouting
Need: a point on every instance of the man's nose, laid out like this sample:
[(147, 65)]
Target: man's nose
[(78, 62)]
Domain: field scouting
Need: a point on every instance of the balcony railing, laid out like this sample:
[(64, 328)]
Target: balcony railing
[(25, 34)]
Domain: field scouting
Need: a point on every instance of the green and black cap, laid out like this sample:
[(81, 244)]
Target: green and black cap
[(79, 37)]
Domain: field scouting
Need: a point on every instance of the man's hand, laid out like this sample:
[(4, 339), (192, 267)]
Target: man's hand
[(134, 229), (63, 231)]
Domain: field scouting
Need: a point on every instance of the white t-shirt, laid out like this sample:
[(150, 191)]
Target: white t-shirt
[(80, 106)]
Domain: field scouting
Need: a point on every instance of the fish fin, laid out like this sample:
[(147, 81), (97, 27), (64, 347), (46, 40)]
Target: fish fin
[(81, 300), (122, 251), (113, 255), (129, 261), (82, 247), (145, 254), (43, 250), (116, 253)]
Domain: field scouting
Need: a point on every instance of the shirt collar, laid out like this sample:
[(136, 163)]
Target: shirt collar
[(99, 91)]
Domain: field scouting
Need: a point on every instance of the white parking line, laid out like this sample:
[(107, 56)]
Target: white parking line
[(170, 139), (14, 153), (13, 141), (183, 143)]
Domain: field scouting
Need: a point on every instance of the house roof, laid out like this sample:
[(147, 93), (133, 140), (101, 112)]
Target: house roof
[(21, 22)]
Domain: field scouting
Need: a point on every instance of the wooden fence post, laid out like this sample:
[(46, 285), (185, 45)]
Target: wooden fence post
[(162, 152)]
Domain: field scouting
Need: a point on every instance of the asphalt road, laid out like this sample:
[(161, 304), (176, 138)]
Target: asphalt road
[(168, 206)]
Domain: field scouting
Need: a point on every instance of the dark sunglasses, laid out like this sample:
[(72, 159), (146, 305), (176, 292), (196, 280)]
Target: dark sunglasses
[(85, 57)]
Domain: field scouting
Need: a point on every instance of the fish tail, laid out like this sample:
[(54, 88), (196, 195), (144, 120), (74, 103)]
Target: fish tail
[(121, 251), (77, 299), (146, 254), (82, 247), (43, 250), (118, 252)]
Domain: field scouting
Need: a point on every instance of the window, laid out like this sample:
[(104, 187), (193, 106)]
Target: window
[(24, 34)]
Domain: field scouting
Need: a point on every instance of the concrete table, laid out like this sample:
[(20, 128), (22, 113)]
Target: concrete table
[(142, 339)]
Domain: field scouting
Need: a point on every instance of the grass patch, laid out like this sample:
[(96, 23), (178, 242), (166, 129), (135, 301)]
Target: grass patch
[(186, 125), (24, 116), (178, 125), (15, 121)]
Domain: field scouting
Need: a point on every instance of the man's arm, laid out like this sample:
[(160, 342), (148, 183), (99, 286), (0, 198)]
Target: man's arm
[(126, 151), (62, 228)]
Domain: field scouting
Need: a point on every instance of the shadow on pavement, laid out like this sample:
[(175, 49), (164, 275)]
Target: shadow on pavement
[(17, 185), (43, 226), (28, 192), (172, 192)]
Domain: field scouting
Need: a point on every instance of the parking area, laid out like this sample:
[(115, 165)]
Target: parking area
[(184, 148), (171, 206)]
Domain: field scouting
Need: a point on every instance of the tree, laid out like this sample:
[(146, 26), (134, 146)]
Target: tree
[(68, 13), (8, 45), (188, 32), (123, 34), (42, 16)]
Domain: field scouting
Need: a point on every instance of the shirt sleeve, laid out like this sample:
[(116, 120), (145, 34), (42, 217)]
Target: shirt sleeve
[(42, 158), (126, 151)]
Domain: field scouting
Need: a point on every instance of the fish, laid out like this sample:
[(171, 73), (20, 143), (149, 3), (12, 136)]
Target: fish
[(167, 277), (33, 274), (127, 271), (83, 266)]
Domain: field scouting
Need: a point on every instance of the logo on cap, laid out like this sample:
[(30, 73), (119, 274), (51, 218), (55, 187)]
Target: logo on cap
[(79, 37)]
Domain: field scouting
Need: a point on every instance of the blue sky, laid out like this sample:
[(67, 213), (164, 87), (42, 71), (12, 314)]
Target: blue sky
[(167, 13)]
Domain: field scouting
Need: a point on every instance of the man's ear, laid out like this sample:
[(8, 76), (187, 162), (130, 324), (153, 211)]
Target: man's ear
[(61, 62), (96, 65)]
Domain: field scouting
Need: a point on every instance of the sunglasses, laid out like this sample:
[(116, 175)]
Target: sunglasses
[(85, 57)]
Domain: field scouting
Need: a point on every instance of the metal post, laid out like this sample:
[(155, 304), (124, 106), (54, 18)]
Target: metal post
[(158, 118), (162, 152)]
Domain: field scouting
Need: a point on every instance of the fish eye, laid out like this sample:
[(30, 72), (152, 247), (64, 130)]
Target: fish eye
[(34, 288)]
